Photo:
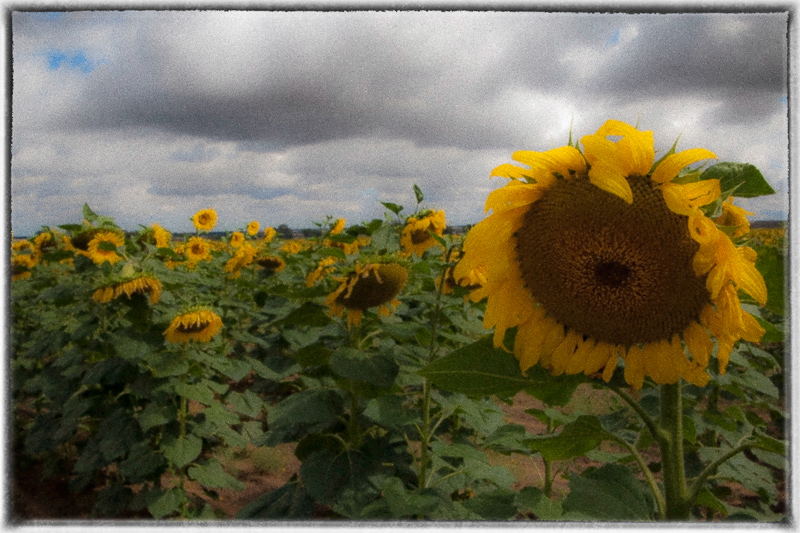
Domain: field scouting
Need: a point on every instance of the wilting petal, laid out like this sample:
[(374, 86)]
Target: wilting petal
[(673, 164)]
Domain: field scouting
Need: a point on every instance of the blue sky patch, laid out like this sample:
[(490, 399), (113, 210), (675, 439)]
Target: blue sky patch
[(77, 60), (614, 39)]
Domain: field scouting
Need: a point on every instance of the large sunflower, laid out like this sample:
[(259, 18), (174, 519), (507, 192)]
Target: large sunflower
[(598, 255), (373, 285), (416, 237), (200, 325), (205, 219), (197, 249)]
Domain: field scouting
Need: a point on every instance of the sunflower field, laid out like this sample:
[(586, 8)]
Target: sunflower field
[(418, 373)]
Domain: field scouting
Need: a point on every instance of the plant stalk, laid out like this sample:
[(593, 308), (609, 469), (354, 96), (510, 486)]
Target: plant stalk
[(671, 429)]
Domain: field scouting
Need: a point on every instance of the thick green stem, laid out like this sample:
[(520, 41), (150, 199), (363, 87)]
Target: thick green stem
[(671, 429)]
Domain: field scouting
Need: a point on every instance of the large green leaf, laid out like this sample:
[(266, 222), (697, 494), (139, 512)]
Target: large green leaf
[(286, 502), (747, 179), (608, 493), (480, 369), (376, 369), (182, 451), (212, 475), (770, 262), (577, 438)]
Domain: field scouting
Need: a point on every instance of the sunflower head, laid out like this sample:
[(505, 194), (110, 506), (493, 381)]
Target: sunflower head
[(599, 255), (416, 237), (373, 285), (269, 234), (271, 264), (197, 249), (103, 247), (205, 220), (199, 325), (130, 286), (21, 266), (82, 239), (237, 239), (252, 228), (338, 227)]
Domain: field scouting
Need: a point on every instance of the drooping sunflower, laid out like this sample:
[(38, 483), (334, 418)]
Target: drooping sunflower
[(338, 227), (598, 256), (140, 284), (200, 325), (252, 228), (103, 247), (271, 264), (373, 285), (269, 234), (243, 257), (162, 236), (293, 246), (324, 267), (197, 249), (205, 219), (416, 237)]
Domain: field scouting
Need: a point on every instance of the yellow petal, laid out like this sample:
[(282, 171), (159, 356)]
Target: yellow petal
[(673, 164), (529, 339), (554, 335), (559, 160), (634, 367), (597, 357), (611, 365), (751, 329), (751, 281), (507, 170), (610, 180), (577, 363), (684, 199), (564, 352), (514, 194), (698, 342)]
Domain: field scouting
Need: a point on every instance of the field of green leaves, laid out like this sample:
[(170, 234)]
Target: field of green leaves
[(140, 361)]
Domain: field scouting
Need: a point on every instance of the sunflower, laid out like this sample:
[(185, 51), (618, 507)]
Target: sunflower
[(237, 239), (338, 227), (103, 247), (21, 266), (141, 284), (163, 237), (324, 267), (604, 255), (734, 216), (292, 246), (269, 234), (200, 325), (197, 249), (243, 257), (252, 228), (416, 236), (205, 220), (271, 263), (373, 285)]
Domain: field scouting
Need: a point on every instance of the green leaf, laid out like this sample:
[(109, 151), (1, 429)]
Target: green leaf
[(394, 208), (746, 177), (386, 238), (479, 369), (608, 493), (418, 194), (308, 314), (72, 228), (247, 403), (707, 499), (389, 411), (578, 437), (88, 214), (142, 464), (160, 503), (376, 369), (771, 262), (533, 500), (496, 505), (769, 444), (326, 474), (312, 355), (212, 475), (181, 452), (199, 392), (332, 252), (287, 502), (301, 413), (404, 503)]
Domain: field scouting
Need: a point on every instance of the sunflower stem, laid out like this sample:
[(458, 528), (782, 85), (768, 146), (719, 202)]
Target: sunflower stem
[(671, 427), (426, 432)]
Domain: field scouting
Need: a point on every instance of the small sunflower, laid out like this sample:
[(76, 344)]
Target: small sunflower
[(141, 284), (338, 227), (237, 239), (103, 247), (269, 234), (324, 267), (21, 266), (271, 263), (163, 237), (197, 249), (200, 325), (373, 285), (252, 228), (243, 257), (292, 246), (416, 237), (603, 255), (205, 220)]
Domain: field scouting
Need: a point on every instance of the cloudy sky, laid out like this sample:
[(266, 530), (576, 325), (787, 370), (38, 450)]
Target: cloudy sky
[(286, 117)]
